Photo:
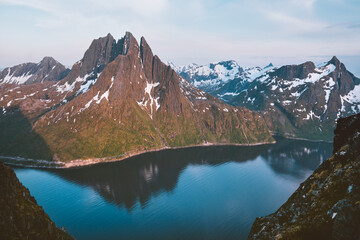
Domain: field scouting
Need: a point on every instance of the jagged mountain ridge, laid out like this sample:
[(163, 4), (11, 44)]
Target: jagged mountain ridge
[(48, 69), (302, 100), (327, 204), (121, 99)]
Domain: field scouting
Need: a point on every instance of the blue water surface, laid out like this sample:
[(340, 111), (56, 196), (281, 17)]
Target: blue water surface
[(192, 193)]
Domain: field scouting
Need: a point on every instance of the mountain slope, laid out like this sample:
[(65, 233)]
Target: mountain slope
[(20, 216), (48, 69), (124, 101), (327, 204), (297, 100), (21, 106)]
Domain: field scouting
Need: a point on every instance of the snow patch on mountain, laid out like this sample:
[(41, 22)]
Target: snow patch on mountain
[(329, 86), (211, 75), (11, 79), (255, 72), (311, 115), (143, 103), (66, 87), (311, 78), (87, 84), (353, 96)]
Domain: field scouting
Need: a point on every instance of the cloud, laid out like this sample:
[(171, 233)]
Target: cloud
[(308, 4), (346, 25), (180, 31), (294, 23), (83, 10)]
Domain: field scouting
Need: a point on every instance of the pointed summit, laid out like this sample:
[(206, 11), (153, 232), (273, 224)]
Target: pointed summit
[(146, 57), (130, 43), (334, 60), (47, 70), (98, 55), (48, 59), (269, 66)]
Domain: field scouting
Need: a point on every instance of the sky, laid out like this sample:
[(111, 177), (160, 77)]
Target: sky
[(252, 32)]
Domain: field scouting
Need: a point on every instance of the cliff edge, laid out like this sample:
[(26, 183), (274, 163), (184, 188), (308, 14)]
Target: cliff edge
[(327, 204), (20, 216)]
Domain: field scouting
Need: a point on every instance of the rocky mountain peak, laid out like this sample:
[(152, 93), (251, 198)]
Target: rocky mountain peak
[(345, 81), (334, 60), (130, 44), (295, 71), (146, 57), (48, 69), (270, 65), (49, 60), (98, 55), (104, 50)]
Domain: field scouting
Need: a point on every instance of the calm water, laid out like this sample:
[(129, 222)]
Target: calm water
[(194, 193)]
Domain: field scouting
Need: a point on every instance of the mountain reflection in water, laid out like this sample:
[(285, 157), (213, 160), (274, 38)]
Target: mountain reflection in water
[(138, 179)]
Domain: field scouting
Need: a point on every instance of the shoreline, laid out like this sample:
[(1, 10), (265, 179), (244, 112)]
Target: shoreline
[(77, 163), (303, 139)]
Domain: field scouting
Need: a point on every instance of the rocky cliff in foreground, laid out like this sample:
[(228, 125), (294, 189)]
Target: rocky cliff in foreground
[(327, 204), (20, 216)]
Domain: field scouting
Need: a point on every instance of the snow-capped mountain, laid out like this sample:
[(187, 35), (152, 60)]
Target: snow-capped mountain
[(213, 75), (119, 99), (296, 100), (304, 100), (224, 79), (48, 69)]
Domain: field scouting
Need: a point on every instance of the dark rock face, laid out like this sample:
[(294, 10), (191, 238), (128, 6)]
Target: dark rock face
[(294, 71), (327, 204), (346, 132), (101, 52), (48, 70), (20, 216)]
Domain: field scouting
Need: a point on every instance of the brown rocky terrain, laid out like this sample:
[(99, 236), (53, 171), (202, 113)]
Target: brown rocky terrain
[(20, 215), (327, 204)]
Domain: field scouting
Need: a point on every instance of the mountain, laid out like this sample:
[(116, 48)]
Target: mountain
[(119, 99), (223, 80), (327, 204), (302, 101), (20, 215), (48, 69)]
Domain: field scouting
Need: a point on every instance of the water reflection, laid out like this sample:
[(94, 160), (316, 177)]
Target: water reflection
[(138, 179), (296, 158)]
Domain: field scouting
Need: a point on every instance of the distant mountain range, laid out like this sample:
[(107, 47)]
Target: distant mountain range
[(118, 100), (48, 69), (301, 101)]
